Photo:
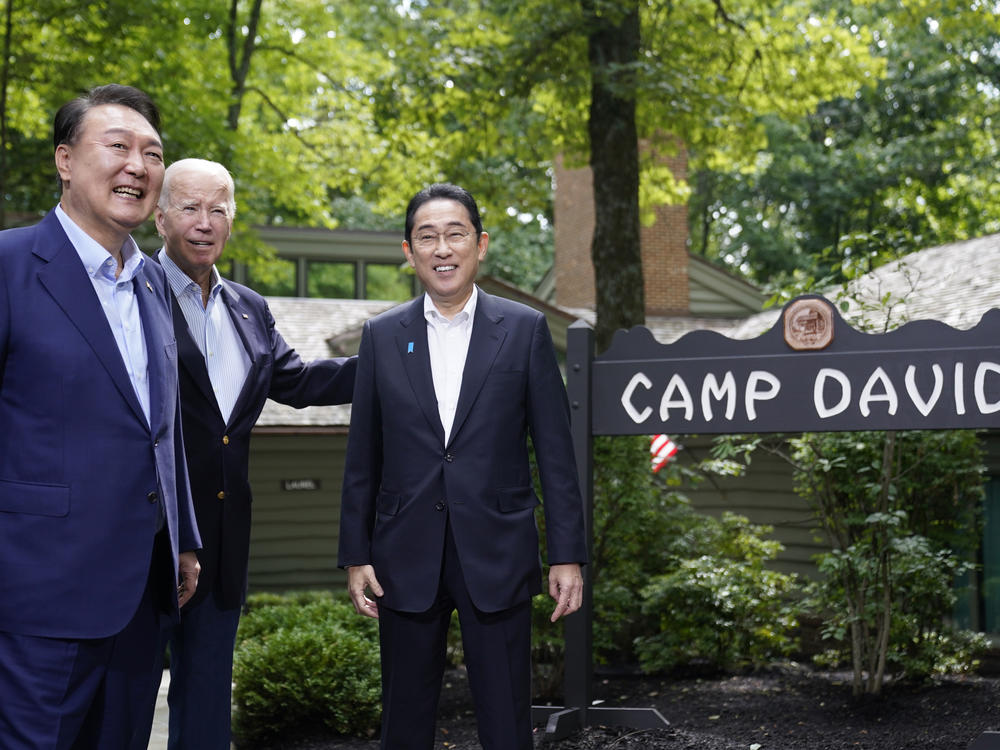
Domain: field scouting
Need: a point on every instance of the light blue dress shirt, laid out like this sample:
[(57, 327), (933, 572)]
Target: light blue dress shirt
[(117, 298), (212, 328)]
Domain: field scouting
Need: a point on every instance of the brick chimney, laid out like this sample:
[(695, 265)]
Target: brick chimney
[(663, 245)]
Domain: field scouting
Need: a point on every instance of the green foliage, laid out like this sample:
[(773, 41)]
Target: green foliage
[(900, 514), (652, 552), (905, 162), (722, 608), (921, 643), (304, 663)]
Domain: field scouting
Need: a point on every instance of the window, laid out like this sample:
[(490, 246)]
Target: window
[(387, 281), (330, 280), (276, 280)]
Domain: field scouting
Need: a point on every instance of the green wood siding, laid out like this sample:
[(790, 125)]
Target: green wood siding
[(764, 495), (294, 535)]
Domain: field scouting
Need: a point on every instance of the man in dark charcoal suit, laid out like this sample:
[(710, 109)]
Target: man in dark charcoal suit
[(438, 505)]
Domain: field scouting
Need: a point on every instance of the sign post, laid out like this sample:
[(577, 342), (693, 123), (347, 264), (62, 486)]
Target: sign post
[(811, 372)]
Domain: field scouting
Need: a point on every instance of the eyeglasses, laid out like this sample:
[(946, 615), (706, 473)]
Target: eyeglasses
[(455, 239)]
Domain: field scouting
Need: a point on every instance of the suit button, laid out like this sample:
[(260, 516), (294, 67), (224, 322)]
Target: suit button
[(221, 495), (449, 457), (225, 439), (439, 506), (152, 497)]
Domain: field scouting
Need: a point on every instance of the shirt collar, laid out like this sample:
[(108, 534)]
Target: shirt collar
[(180, 282), (432, 315), (95, 257)]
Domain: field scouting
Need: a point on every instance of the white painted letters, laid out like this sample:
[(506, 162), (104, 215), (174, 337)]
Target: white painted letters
[(753, 394), (636, 416), (710, 387), (667, 402), (819, 384), (980, 387), (888, 394)]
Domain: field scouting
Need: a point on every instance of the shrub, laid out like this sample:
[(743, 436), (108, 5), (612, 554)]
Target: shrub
[(648, 539), (721, 608), (267, 613), (920, 643), (304, 668)]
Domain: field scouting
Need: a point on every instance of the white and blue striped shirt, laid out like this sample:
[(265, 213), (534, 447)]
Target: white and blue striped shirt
[(117, 298), (213, 330)]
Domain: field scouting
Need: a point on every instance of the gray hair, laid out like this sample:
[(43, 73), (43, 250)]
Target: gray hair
[(202, 165)]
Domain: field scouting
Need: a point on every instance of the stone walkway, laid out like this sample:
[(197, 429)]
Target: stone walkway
[(158, 737)]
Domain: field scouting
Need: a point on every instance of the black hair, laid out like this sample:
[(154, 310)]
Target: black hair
[(450, 192), (66, 127)]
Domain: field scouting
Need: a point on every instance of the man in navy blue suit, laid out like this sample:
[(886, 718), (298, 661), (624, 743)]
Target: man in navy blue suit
[(437, 510), (96, 524), (232, 359)]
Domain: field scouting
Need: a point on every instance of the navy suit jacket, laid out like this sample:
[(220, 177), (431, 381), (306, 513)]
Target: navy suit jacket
[(218, 452), (402, 482), (82, 474)]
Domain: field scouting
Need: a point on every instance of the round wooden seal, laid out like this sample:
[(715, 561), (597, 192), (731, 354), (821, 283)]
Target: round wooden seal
[(808, 324)]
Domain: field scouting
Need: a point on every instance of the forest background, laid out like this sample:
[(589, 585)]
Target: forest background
[(822, 138)]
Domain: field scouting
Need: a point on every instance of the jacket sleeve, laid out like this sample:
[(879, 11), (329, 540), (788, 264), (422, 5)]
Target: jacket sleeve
[(548, 421), (363, 465), (299, 384)]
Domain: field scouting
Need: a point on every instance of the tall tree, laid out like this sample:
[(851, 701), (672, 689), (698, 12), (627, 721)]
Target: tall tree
[(861, 179), (607, 75), (612, 53)]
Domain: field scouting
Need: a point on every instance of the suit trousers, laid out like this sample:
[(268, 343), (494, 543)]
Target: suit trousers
[(80, 694), (497, 649), (201, 678)]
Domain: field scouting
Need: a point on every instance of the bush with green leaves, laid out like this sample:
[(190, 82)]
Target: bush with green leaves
[(304, 664), (919, 641), (896, 510), (723, 608), (648, 545)]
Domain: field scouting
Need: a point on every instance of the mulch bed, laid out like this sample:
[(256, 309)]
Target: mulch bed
[(786, 708)]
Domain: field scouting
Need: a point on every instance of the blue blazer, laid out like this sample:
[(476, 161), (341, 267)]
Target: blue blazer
[(401, 477), (83, 476), (218, 452)]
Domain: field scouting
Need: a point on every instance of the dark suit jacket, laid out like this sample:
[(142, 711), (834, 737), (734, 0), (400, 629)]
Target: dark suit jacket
[(400, 477), (218, 453), (81, 472)]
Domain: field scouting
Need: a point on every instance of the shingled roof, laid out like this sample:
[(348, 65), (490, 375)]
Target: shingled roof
[(311, 326), (954, 283)]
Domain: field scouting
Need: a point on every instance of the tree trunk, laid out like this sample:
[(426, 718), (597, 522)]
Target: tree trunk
[(239, 57), (8, 30), (885, 566), (613, 50)]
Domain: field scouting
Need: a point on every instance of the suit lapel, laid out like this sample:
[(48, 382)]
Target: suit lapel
[(252, 344), (156, 324), (487, 338), (65, 278), (411, 344), (189, 355)]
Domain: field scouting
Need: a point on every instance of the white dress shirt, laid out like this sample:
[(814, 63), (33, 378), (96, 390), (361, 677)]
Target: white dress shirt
[(448, 345), (117, 298)]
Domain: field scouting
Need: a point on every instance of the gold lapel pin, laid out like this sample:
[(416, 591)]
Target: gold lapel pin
[(149, 286)]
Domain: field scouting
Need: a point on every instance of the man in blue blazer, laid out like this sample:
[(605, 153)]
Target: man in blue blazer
[(95, 510), (437, 509), (231, 361)]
